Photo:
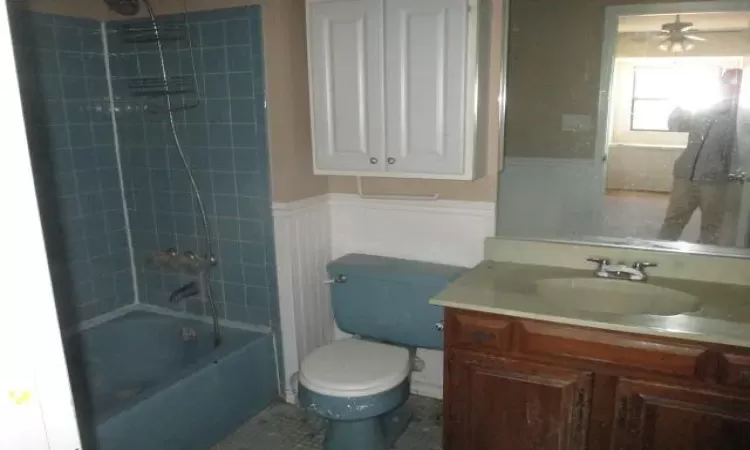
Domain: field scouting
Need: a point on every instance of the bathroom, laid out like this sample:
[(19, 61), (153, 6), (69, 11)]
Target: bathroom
[(191, 299)]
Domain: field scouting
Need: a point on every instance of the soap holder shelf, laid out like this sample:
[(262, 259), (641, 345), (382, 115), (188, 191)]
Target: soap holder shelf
[(178, 262)]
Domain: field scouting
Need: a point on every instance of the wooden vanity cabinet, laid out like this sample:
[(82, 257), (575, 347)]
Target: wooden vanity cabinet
[(485, 392), (520, 384), (655, 416)]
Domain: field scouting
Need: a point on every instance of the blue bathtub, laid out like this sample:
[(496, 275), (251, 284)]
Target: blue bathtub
[(148, 381)]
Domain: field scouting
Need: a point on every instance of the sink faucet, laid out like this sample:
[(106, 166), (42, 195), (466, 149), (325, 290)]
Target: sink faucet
[(621, 271)]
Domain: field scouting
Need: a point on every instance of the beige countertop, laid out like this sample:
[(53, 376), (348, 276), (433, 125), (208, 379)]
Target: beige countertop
[(509, 288)]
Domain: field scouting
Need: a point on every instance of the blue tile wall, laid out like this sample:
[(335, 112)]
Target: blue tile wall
[(64, 89), (225, 142)]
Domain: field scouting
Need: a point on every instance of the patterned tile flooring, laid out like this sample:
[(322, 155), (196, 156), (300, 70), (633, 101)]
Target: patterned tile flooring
[(288, 427)]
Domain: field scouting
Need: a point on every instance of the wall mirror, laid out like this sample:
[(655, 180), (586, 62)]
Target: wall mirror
[(628, 124)]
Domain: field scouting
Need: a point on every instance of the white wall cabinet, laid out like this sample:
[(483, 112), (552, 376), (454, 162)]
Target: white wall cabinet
[(393, 87)]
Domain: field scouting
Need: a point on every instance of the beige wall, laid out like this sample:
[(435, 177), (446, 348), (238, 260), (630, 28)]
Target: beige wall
[(288, 102)]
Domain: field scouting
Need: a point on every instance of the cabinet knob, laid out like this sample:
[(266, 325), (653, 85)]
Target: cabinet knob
[(440, 326), (373, 160), (391, 160)]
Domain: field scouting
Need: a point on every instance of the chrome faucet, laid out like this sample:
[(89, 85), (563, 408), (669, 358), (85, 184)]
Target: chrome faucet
[(621, 271)]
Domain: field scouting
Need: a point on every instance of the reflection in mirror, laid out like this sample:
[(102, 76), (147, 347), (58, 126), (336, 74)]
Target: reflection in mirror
[(628, 124)]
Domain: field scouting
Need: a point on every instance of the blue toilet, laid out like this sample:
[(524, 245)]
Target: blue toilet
[(360, 384)]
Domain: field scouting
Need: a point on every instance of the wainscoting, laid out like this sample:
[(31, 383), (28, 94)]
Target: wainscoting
[(302, 233), (311, 232), (441, 231), (561, 197)]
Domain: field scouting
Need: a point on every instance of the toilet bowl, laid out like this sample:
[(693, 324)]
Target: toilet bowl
[(360, 388), (360, 384)]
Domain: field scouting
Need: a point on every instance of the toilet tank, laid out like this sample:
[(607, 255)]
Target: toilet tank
[(387, 299)]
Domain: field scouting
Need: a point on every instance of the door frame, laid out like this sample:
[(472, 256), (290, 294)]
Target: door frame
[(36, 402), (742, 225)]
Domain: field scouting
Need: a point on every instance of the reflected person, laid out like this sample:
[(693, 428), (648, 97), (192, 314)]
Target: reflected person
[(702, 172)]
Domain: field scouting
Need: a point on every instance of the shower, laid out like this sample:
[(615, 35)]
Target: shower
[(131, 8), (151, 167)]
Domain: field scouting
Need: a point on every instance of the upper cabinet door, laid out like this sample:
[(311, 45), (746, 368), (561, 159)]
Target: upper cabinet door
[(425, 72), (345, 48)]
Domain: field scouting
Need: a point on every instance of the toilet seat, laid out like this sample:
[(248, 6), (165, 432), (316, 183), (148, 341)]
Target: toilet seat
[(355, 368)]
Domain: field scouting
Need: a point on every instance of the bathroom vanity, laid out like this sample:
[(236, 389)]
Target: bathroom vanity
[(543, 348), (527, 370), (547, 346), (527, 384)]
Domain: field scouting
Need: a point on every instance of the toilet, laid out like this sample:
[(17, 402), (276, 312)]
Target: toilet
[(360, 384)]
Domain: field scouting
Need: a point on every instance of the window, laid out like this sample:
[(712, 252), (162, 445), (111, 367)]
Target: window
[(657, 91)]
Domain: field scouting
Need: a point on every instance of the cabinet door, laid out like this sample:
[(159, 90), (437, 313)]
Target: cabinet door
[(345, 48), (659, 417), (426, 60), (494, 403)]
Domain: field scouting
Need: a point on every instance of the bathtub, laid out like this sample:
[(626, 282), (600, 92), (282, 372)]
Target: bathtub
[(146, 381)]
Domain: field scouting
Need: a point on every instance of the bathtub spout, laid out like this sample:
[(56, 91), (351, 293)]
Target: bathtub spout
[(184, 292)]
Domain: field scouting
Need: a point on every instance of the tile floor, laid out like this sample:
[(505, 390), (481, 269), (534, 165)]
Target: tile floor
[(288, 427)]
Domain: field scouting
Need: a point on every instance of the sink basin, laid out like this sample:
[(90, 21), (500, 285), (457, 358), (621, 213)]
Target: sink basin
[(615, 296)]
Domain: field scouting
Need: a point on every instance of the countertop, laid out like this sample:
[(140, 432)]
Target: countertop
[(509, 289)]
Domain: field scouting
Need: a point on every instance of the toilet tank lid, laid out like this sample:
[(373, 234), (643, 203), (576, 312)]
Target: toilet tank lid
[(395, 269)]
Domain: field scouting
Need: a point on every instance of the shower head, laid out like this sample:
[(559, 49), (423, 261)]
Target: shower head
[(124, 7)]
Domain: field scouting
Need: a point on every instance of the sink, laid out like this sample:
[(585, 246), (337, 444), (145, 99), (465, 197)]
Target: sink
[(615, 296)]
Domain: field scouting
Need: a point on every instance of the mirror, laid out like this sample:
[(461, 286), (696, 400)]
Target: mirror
[(628, 124)]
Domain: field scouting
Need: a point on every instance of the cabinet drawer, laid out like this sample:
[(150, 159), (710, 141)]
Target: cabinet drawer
[(477, 331), (560, 341), (734, 370)]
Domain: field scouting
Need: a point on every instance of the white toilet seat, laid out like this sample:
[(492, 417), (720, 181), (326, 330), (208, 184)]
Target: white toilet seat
[(354, 368)]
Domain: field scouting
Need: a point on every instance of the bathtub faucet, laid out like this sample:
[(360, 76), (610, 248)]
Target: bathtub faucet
[(184, 292)]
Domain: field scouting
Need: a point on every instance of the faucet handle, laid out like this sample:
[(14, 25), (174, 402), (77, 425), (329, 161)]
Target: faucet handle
[(599, 260), (642, 265)]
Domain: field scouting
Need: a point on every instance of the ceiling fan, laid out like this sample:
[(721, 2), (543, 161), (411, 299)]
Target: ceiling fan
[(678, 36)]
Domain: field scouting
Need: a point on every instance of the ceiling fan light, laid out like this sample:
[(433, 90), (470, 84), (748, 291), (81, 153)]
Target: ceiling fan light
[(664, 46), (687, 45)]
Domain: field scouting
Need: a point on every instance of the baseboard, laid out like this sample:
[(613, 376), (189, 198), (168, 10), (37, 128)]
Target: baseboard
[(290, 397), (427, 390)]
